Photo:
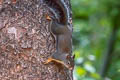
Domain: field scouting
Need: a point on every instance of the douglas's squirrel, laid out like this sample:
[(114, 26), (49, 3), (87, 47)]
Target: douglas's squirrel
[(60, 28)]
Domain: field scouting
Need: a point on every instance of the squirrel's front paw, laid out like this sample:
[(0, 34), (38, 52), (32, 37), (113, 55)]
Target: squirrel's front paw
[(48, 61)]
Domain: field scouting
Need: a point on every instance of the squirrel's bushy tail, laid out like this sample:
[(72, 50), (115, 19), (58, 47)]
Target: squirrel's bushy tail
[(60, 9)]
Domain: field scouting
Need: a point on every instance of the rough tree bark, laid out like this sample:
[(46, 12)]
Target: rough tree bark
[(26, 42)]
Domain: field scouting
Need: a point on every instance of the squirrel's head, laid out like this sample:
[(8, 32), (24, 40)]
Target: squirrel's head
[(70, 62), (65, 59)]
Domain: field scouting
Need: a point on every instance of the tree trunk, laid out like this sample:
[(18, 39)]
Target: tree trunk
[(107, 60), (26, 42)]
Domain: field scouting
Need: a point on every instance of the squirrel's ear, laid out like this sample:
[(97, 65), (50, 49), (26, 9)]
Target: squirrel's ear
[(73, 56), (68, 56)]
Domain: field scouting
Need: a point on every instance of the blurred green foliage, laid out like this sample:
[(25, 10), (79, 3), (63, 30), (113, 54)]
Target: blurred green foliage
[(93, 22)]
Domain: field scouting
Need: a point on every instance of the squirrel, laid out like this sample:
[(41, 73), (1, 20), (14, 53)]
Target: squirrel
[(59, 27)]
